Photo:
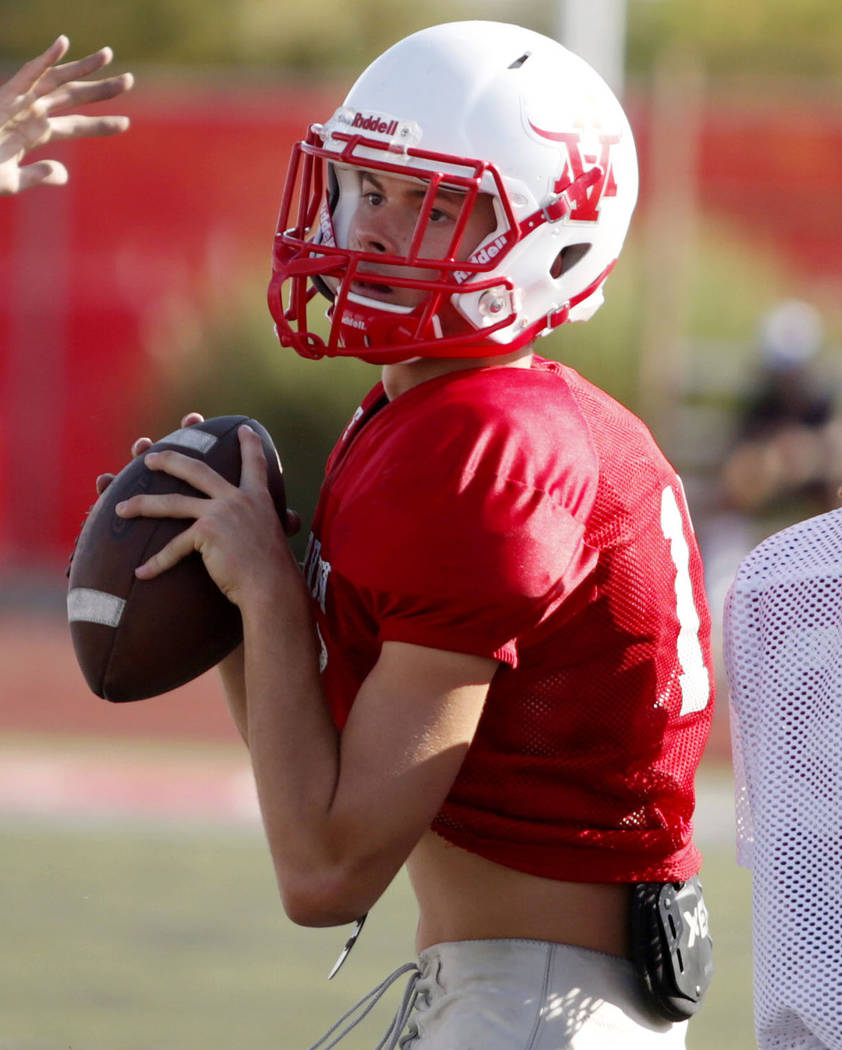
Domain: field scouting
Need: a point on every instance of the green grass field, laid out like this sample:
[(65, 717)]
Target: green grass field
[(168, 936)]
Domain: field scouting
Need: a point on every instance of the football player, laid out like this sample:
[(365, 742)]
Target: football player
[(30, 100), (495, 668), (783, 657)]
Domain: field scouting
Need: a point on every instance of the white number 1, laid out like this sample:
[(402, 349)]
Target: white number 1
[(694, 679)]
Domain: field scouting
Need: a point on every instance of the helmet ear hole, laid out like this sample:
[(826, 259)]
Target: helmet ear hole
[(567, 259)]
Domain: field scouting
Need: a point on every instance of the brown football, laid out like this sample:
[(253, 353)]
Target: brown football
[(139, 638)]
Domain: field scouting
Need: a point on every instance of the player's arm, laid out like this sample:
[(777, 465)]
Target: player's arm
[(232, 671), (341, 813), (33, 105)]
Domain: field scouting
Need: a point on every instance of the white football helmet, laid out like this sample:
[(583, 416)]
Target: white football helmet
[(467, 108)]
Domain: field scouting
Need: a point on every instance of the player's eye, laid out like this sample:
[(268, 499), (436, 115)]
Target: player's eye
[(438, 216)]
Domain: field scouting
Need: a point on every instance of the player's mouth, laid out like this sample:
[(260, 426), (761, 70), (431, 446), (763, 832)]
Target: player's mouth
[(373, 290)]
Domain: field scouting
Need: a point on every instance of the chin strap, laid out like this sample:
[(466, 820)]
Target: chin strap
[(559, 316), (564, 202)]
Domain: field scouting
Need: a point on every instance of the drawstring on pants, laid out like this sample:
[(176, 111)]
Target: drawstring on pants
[(367, 1004)]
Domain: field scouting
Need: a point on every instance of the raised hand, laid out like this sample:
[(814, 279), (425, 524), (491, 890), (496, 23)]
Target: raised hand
[(30, 112)]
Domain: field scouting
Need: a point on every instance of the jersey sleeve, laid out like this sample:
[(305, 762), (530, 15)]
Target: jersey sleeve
[(468, 561)]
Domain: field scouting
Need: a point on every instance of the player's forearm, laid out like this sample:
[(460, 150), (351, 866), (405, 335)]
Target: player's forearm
[(295, 756), (232, 673)]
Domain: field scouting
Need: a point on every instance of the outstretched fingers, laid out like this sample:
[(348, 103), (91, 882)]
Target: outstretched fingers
[(31, 97), (41, 87), (84, 92), (28, 79), (75, 126), (42, 173), (78, 68)]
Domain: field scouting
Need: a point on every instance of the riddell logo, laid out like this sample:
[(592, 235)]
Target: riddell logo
[(490, 251), (376, 124), (483, 256), (354, 320)]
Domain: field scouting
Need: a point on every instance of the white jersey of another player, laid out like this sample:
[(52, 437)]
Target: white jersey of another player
[(783, 657)]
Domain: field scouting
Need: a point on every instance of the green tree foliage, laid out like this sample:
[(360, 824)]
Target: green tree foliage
[(757, 37), (286, 36), (769, 37)]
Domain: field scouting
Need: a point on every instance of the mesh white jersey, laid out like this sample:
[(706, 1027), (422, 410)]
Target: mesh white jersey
[(783, 657)]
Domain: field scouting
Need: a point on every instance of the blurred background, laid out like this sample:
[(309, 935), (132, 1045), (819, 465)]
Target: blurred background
[(140, 909)]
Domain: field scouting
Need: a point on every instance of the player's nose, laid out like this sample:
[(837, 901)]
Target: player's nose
[(388, 232)]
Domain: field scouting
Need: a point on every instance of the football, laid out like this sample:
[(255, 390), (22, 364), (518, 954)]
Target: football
[(139, 638)]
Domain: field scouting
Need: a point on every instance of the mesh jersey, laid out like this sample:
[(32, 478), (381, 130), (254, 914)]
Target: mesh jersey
[(783, 657), (525, 515)]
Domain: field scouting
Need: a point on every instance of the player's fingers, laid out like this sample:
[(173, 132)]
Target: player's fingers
[(83, 93), (140, 446), (29, 74), (102, 483), (161, 505), (194, 471), (42, 173), (255, 470), (74, 126), (171, 554), (192, 418), (75, 70)]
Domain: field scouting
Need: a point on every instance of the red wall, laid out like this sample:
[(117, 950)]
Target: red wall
[(173, 209), (776, 172)]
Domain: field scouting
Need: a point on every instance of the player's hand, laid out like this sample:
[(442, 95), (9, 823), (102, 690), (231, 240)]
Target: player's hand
[(292, 526), (235, 528), (30, 102)]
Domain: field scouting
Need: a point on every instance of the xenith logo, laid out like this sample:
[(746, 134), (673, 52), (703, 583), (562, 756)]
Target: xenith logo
[(698, 922), (376, 124)]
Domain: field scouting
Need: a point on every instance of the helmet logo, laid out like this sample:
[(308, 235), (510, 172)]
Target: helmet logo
[(375, 124), (484, 256), (588, 200)]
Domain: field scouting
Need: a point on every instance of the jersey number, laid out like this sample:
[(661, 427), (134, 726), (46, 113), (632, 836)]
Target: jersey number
[(694, 677)]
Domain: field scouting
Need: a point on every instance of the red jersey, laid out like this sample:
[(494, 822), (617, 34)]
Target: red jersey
[(525, 515)]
